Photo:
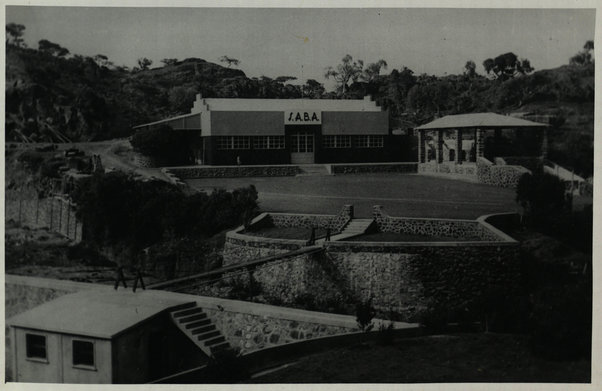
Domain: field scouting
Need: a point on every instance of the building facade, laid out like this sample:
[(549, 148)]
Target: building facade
[(286, 131)]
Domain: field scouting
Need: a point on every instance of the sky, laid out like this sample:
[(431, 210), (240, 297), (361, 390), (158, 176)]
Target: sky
[(302, 42)]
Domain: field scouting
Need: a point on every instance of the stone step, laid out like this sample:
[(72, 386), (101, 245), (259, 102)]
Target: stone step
[(198, 323), (192, 318), (189, 311), (214, 340), (202, 329), (208, 335)]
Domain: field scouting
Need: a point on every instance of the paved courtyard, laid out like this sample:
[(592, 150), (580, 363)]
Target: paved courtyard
[(400, 194)]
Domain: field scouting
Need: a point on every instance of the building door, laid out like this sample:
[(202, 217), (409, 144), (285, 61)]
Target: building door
[(302, 147)]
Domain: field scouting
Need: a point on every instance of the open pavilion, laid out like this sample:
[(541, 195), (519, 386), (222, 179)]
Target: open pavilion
[(466, 137)]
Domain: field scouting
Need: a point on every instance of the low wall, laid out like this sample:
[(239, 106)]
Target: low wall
[(461, 229), (531, 163), (363, 168), (457, 171), (499, 175), (233, 171), (334, 222), (56, 213)]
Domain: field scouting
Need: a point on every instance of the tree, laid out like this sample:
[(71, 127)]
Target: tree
[(169, 61), (348, 70), (284, 79), (144, 63), (470, 68), (230, 61), (506, 66), (312, 89), (372, 71), (584, 57), (52, 48), (164, 144), (102, 60), (14, 34), (542, 197)]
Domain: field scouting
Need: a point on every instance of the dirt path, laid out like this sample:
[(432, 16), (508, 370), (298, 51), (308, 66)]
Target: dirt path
[(118, 155)]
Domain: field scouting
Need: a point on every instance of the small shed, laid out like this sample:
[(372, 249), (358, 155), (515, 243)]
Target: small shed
[(101, 336)]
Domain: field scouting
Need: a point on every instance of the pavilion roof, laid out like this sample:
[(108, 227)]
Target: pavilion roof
[(480, 120)]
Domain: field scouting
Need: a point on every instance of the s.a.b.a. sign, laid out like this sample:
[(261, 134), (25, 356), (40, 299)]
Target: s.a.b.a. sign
[(301, 117)]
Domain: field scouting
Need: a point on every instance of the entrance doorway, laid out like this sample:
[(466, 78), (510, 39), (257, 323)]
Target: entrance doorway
[(302, 147)]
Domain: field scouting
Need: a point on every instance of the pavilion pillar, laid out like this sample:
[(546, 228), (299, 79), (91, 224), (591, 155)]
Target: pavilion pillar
[(497, 139), (479, 142), (421, 148), (439, 150), (544, 144), (458, 146)]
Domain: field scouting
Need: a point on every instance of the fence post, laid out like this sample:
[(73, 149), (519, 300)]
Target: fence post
[(20, 200), (37, 209), (68, 217), (51, 212), (60, 215)]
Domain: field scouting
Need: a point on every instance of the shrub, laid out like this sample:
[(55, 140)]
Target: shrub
[(364, 315), (561, 325)]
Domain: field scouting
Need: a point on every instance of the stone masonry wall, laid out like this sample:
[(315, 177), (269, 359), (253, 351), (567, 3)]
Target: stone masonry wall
[(254, 332), (334, 222), (409, 279), (242, 248), (56, 213), (464, 229), (458, 170), (233, 171), (499, 175), (373, 168)]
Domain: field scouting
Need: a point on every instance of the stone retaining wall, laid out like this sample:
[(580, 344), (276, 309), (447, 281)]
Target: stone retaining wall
[(467, 171), (461, 229), (56, 213), (240, 248), (499, 175), (409, 279), (360, 168), (334, 222), (233, 171)]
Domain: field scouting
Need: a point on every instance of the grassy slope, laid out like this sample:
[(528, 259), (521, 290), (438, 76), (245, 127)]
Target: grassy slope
[(435, 359)]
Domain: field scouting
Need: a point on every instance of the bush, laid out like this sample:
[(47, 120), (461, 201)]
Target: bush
[(542, 197), (561, 327), (164, 144), (365, 313)]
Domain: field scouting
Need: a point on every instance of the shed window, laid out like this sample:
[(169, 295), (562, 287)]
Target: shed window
[(83, 353), (336, 141), (36, 346), (233, 142)]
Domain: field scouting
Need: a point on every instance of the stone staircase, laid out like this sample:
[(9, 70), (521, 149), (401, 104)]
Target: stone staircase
[(355, 227), (313, 170), (198, 327)]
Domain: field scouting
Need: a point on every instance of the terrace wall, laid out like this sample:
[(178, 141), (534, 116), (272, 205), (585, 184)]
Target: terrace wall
[(363, 168), (461, 229), (233, 171), (499, 175)]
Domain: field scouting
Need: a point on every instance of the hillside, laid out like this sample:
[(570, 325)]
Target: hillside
[(51, 98)]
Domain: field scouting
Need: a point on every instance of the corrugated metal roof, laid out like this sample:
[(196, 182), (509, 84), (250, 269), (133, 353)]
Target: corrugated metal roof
[(95, 313), (479, 120)]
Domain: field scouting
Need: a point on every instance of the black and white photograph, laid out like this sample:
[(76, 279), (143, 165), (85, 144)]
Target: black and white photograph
[(308, 194)]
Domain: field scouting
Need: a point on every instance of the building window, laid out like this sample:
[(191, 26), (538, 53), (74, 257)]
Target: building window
[(268, 142), (83, 353), (233, 142), (35, 346), (336, 141), (369, 141)]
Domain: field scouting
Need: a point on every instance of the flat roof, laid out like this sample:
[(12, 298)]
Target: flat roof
[(95, 313), (480, 120)]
